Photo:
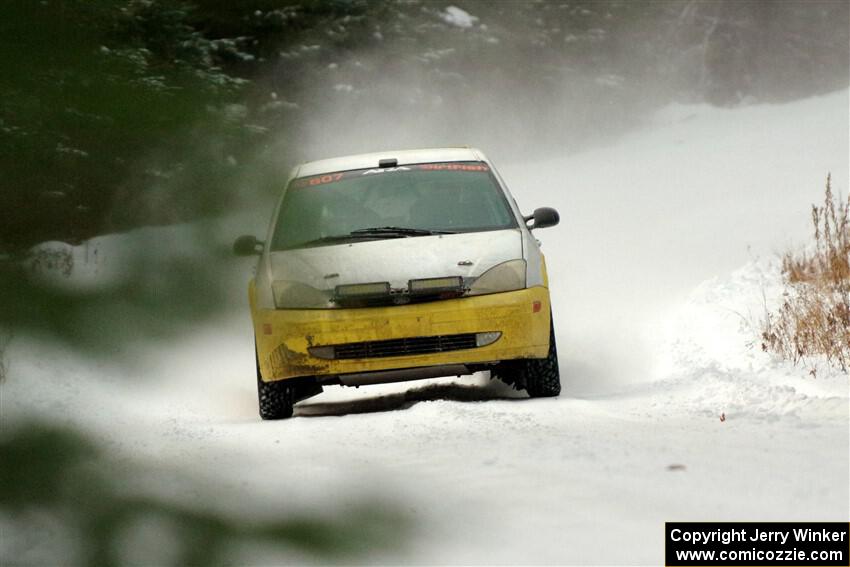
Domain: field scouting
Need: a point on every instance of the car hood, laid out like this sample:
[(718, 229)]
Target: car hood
[(397, 260)]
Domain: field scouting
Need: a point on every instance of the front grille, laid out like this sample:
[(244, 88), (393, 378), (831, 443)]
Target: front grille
[(402, 347)]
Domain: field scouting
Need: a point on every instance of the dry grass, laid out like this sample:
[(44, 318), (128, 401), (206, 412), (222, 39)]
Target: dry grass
[(814, 318)]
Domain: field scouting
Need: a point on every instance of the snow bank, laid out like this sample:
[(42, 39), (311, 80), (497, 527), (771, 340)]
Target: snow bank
[(713, 363)]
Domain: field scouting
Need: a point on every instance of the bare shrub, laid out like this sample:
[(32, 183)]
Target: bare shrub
[(814, 318)]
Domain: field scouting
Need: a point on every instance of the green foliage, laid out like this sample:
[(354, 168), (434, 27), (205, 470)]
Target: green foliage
[(101, 103), (114, 115), (47, 471), (161, 284)]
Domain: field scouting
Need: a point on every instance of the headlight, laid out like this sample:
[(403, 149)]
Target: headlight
[(507, 276), (295, 295)]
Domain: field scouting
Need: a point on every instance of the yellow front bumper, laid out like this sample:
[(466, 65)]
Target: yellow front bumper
[(283, 335)]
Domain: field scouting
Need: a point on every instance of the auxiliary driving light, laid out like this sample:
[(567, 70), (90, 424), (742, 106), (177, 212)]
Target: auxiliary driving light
[(488, 338), (436, 285), (353, 291)]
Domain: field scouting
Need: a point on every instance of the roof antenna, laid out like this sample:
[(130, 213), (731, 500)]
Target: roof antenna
[(389, 162)]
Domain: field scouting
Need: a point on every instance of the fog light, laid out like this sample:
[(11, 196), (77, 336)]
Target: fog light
[(488, 338), (324, 352), (436, 285), (362, 290)]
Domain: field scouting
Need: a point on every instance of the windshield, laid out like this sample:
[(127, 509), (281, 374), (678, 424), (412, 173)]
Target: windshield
[(393, 202)]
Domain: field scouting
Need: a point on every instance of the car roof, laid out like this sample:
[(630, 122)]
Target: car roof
[(404, 157)]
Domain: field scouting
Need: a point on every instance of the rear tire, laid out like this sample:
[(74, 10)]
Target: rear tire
[(276, 399)]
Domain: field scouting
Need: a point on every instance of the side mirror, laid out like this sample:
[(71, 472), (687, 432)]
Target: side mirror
[(247, 245), (543, 217)]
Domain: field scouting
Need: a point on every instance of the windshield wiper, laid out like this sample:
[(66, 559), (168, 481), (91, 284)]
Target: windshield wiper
[(335, 238), (397, 231), (375, 232)]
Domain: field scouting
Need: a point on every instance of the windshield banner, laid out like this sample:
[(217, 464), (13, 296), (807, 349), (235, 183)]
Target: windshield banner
[(325, 178)]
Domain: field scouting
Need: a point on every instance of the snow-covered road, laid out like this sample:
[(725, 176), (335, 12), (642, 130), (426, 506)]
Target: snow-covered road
[(483, 475), (657, 272)]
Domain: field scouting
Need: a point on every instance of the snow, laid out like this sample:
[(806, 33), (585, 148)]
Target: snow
[(696, 194), (457, 17), (715, 335), (660, 272)]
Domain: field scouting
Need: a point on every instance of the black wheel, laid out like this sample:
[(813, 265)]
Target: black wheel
[(276, 398), (539, 377), (542, 377)]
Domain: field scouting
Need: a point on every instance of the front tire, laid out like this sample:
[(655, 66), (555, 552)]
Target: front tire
[(539, 377), (542, 376), (276, 399)]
